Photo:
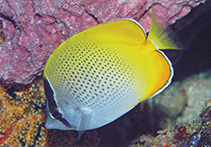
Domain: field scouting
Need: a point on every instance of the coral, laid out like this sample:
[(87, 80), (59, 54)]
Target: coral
[(174, 137), (22, 117), (163, 140), (181, 133), (33, 29), (202, 136)]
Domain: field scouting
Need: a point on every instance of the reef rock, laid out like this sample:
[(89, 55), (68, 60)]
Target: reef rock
[(31, 29)]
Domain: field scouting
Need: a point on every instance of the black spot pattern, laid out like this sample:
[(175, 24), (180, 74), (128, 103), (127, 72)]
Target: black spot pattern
[(94, 77)]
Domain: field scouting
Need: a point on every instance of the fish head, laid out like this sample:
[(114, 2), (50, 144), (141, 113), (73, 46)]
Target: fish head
[(61, 113)]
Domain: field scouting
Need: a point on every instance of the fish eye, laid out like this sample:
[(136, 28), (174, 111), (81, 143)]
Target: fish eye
[(56, 113)]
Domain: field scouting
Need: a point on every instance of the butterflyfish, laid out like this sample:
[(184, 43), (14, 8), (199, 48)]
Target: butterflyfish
[(99, 74)]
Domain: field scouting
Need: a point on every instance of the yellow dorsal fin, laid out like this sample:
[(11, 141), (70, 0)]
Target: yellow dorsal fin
[(126, 30), (163, 38)]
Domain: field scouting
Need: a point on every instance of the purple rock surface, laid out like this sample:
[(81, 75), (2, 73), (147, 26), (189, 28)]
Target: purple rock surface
[(32, 29)]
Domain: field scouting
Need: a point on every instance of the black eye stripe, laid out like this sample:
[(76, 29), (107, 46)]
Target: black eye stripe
[(52, 106), (49, 96), (65, 122)]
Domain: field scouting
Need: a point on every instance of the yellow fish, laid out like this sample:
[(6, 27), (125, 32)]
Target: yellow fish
[(99, 74)]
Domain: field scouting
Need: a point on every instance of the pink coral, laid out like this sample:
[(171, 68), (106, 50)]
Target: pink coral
[(33, 29)]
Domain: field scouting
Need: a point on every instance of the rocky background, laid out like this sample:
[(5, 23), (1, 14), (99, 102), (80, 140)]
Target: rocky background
[(31, 30)]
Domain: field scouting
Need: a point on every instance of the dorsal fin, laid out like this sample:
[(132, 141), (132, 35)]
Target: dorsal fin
[(163, 38)]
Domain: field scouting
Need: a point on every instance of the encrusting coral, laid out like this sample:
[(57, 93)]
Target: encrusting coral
[(22, 117)]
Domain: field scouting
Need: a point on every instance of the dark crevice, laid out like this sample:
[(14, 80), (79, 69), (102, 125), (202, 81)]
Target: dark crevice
[(195, 37), (92, 15), (9, 19)]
